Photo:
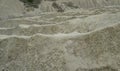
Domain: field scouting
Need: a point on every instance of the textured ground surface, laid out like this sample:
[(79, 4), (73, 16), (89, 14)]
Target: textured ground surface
[(74, 40)]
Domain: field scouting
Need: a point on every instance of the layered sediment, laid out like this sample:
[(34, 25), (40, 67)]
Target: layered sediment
[(83, 37)]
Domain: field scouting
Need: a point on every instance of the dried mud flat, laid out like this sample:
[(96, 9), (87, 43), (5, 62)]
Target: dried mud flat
[(75, 40)]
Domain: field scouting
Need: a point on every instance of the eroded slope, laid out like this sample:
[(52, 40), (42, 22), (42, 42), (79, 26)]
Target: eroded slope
[(80, 40)]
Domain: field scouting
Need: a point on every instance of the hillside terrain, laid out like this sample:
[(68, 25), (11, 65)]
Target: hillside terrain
[(59, 35)]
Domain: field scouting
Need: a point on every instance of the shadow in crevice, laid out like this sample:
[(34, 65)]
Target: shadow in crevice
[(31, 3)]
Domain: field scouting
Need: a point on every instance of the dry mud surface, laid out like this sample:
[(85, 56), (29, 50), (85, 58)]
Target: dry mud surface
[(74, 40)]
